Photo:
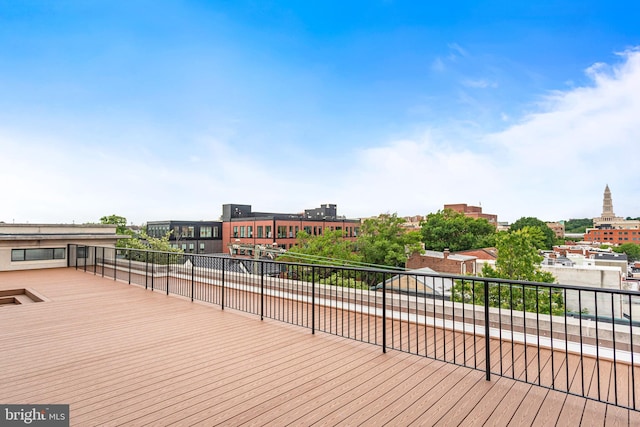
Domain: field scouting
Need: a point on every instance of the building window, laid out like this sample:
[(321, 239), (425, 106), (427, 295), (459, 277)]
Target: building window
[(259, 231), (191, 247), (307, 229), (38, 254), (291, 231), (205, 232), (184, 246), (235, 231), (250, 231), (242, 231), (267, 230), (201, 247), (282, 231)]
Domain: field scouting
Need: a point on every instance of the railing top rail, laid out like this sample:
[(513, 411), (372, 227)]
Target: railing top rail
[(478, 279)]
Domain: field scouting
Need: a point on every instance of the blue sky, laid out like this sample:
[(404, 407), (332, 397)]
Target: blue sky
[(168, 109)]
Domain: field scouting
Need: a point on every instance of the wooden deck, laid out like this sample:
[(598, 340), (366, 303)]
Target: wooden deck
[(120, 355)]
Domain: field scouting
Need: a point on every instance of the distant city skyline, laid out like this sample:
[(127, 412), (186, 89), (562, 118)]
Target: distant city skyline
[(158, 111)]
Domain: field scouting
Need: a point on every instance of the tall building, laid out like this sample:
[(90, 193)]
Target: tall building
[(608, 218), (611, 229)]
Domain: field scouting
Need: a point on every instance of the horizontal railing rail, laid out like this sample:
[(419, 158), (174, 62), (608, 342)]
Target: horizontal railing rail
[(576, 339)]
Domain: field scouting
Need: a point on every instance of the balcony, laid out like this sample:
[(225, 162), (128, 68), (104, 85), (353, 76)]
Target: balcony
[(141, 338)]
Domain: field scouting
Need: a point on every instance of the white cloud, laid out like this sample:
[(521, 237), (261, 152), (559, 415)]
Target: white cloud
[(582, 139), (479, 83), (553, 164), (455, 47), (438, 65)]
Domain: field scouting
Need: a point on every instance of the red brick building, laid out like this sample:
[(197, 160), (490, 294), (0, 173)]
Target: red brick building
[(240, 225), (443, 262), (613, 236), (473, 212)]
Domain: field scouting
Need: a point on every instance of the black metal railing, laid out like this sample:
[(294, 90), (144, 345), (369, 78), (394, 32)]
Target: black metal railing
[(579, 340)]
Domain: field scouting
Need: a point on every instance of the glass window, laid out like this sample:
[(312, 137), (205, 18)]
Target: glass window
[(282, 231), (205, 232), (39, 254), (235, 231), (215, 232), (242, 231), (267, 230), (259, 231), (250, 231)]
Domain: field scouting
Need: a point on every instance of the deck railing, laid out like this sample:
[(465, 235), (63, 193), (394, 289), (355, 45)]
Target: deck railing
[(579, 340)]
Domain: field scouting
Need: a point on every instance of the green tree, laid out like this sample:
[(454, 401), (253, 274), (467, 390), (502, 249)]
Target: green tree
[(384, 241), (518, 259), (145, 242), (328, 248), (455, 231), (119, 221), (141, 240), (579, 225), (549, 235), (631, 249)]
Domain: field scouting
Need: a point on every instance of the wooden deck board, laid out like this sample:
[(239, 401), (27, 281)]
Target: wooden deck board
[(120, 355)]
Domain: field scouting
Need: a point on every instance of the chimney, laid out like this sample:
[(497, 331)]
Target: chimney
[(446, 253)]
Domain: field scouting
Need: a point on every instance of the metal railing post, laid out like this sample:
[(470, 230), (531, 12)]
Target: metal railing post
[(95, 260), (103, 262), (222, 296), (384, 313), (129, 256), (192, 279), (487, 338), (261, 290), (153, 269), (146, 269), (115, 256), (168, 261), (313, 300)]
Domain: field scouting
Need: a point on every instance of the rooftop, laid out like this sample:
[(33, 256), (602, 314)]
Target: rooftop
[(120, 354)]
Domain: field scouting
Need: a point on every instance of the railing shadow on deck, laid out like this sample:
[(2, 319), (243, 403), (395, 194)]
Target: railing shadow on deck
[(578, 340)]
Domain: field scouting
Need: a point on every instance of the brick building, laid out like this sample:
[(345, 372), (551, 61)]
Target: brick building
[(473, 212), (443, 262), (611, 229), (241, 225)]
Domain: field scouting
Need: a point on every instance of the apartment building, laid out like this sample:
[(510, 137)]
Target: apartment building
[(200, 237), (241, 225)]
